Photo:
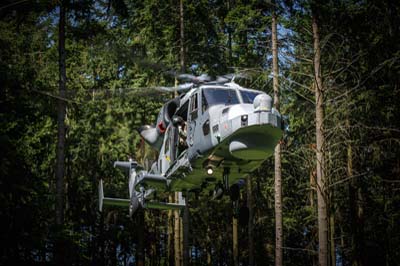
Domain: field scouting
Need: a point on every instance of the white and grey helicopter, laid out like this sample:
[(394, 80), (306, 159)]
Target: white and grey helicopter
[(211, 136)]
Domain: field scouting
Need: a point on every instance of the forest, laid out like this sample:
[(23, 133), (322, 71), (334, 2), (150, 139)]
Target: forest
[(76, 82)]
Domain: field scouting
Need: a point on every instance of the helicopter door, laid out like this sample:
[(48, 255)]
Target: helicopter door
[(168, 150), (173, 140), (193, 114)]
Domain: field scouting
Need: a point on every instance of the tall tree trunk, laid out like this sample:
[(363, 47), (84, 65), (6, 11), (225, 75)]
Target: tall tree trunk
[(321, 178), (235, 241), (185, 218), (356, 210), (140, 256), (185, 231), (312, 187), (208, 246), (229, 36), (182, 37), (177, 233), (170, 233), (250, 224), (278, 164), (332, 237), (181, 239), (61, 113)]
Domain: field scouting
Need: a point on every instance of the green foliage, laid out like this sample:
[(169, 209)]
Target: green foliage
[(118, 50)]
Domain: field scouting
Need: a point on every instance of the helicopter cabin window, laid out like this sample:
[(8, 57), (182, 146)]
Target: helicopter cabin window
[(193, 106), (248, 96), (183, 111), (204, 103), (215, 96)]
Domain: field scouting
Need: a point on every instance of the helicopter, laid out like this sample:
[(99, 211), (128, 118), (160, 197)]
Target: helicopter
[(208, 138)]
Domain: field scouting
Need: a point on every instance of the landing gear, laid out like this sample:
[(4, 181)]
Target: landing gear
[(225, 178), (134, 204), (233, 191), (218, 191), (135, 201)]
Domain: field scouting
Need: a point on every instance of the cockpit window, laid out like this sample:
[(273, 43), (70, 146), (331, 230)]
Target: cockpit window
[(248, 96), (214, 96)]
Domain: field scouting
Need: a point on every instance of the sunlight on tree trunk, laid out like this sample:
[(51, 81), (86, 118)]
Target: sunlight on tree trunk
[(177, 233), (321, 179), (235, 241), (170, 233), (277, 154)]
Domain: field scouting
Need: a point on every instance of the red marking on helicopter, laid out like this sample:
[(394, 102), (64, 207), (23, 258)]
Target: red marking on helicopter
[(161, 127)]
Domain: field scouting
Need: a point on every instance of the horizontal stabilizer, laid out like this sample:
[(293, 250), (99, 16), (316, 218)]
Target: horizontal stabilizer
[(116, 202), (163, 205), (152, 180), (110, 201), (101, 195)]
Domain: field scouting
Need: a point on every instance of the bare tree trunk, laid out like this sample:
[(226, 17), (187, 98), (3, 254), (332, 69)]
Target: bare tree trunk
[(185, 218), (185, 231), (140, 256), (312, 187), (235, 241), (181, 239), (208, 246), (61, 113), (278, 164), (229, 36), (182, 37), (331, 216), (332, 238), (170, 233), (275, 67), (208, 256), (112, 219), (356, 210), (321, 178), (250, 224), (177, 234)]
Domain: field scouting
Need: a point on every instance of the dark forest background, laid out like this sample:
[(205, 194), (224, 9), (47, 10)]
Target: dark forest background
[(117, 50)]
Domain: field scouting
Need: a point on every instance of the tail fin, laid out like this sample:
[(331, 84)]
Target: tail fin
[(101, 195)]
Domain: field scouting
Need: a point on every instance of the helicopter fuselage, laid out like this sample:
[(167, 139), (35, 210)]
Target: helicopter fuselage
[(226, 130), (208, 138)]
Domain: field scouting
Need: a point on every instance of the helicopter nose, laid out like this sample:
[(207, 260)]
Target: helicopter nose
[(262, 103)]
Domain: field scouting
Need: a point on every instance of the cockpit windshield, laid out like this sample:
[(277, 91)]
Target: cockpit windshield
[(214, 96), (248, 96)]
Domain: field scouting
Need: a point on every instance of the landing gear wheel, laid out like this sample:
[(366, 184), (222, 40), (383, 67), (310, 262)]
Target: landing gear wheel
[(218, 191)]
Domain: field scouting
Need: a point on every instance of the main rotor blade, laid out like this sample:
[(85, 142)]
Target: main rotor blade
[(194, 79), (179, 88)]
